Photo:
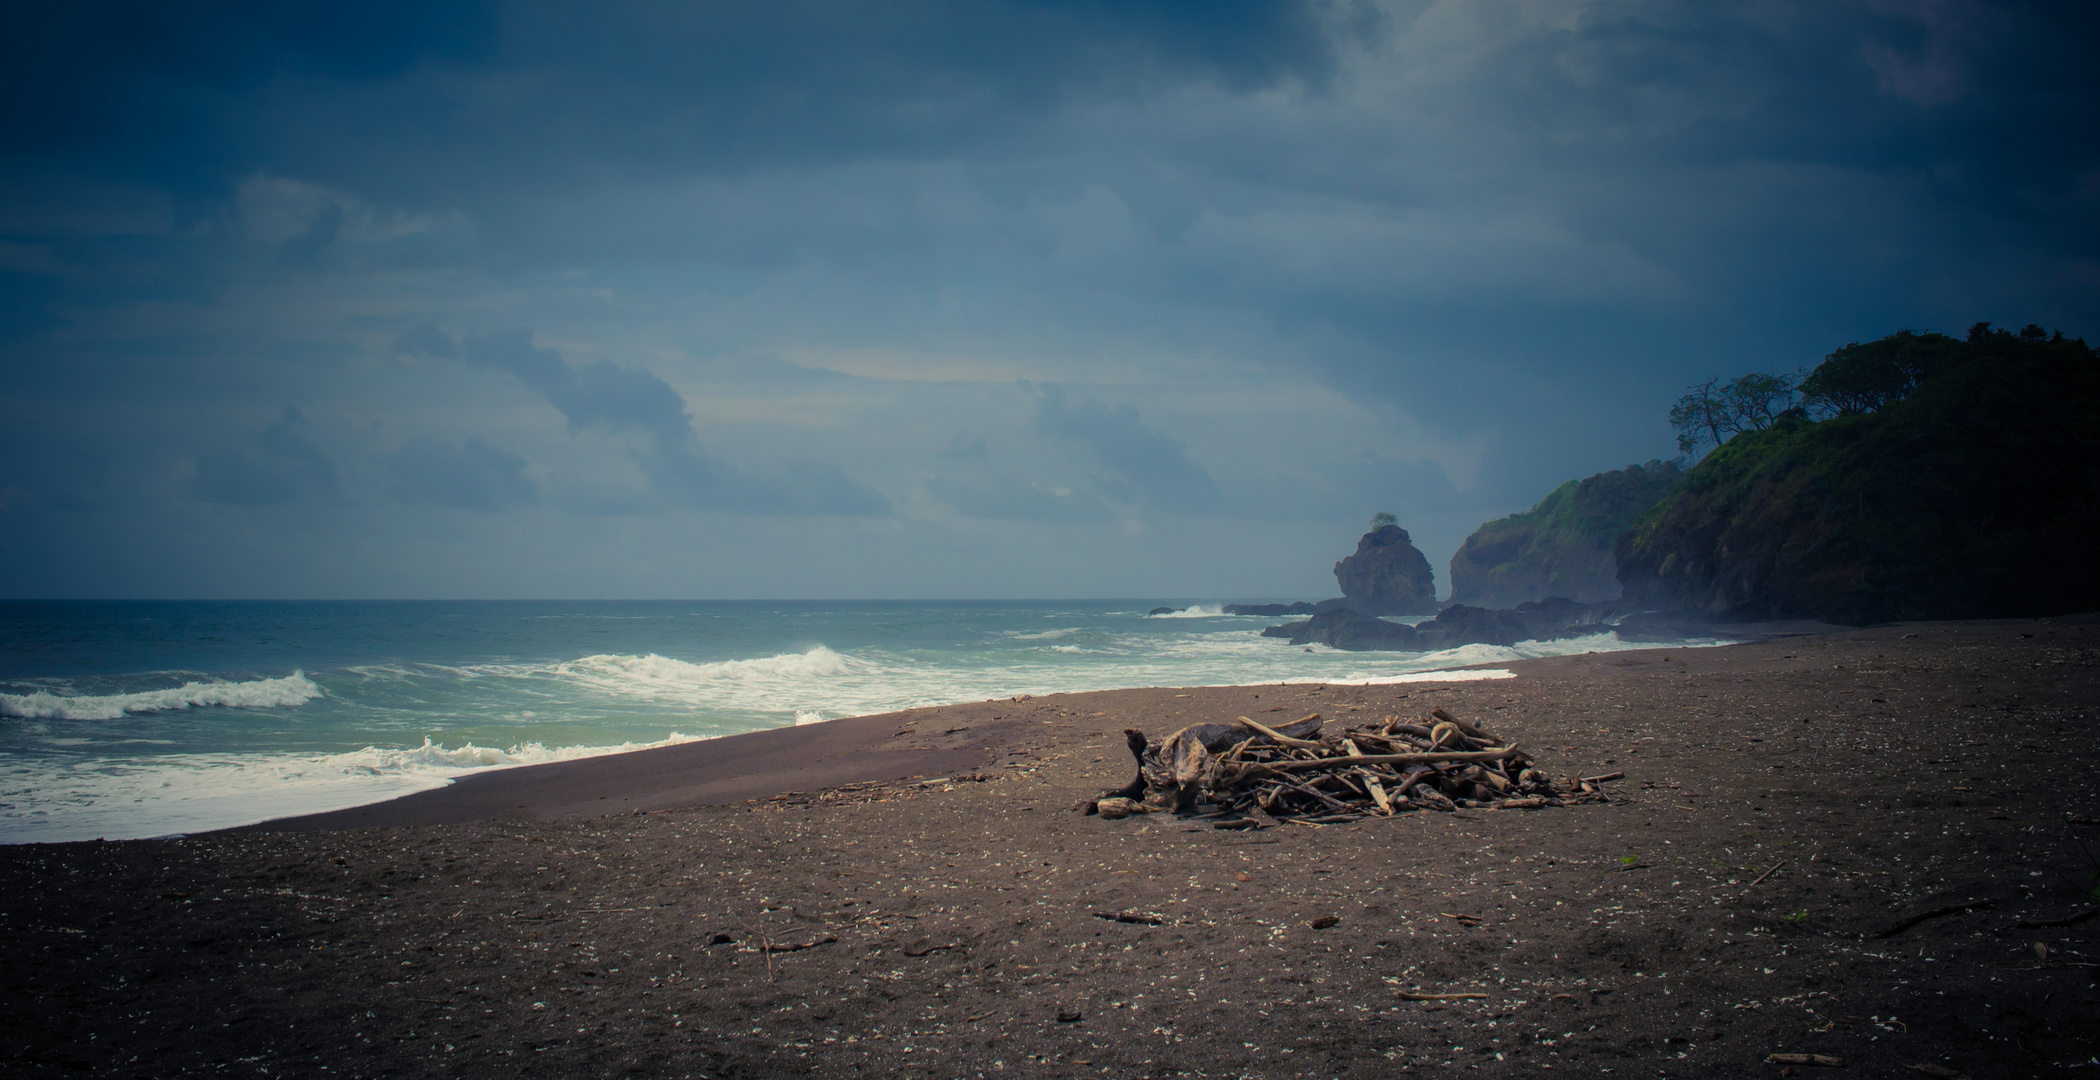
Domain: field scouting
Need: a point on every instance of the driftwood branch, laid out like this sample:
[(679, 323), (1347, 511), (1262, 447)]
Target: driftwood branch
[(1250, 775), (1901, 925), (1256, 768), (1278, 737)]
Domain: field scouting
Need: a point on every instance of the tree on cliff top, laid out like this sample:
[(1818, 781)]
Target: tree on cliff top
[(1714, 410), (1382, 519), (1860, 379)]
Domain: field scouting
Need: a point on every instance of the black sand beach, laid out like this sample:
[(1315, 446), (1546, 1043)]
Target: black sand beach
[(1875, 846)]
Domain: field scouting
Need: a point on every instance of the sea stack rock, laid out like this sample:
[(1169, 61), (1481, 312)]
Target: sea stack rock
[(1387, 575)]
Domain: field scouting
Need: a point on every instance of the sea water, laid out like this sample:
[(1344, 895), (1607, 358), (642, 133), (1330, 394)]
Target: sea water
[(132, 719)]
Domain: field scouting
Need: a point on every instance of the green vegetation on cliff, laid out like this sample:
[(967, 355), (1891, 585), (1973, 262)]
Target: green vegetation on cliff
[(1564, 545), (1947, 479)]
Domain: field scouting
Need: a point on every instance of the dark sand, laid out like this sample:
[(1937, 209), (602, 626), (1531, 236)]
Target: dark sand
[(1784, 801)]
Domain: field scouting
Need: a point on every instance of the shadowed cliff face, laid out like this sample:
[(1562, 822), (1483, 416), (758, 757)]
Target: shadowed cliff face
[(1977, 495), (1564, 546), (1387, 575)]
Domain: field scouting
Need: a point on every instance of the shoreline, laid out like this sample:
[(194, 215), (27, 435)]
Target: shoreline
[(193, 789), (746, 765), (1844, 844), (760, 764)]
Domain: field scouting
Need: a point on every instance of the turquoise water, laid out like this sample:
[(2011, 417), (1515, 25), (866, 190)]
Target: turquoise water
[(131, 719)]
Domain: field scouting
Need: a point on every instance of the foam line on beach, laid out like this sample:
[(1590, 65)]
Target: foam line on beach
[(1468, 675), (185, 793)]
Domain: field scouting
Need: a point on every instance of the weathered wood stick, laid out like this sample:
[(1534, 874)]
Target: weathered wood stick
[(1825, 1060), (1385, 805), (1384, 759), (1396, 745), (1409, 781), (1769, 871), (801, 945), (1461, 725), (1602, 779), (1895, 928), (1280, 738), (1317, 794), (2068, 920), (1409, 995)]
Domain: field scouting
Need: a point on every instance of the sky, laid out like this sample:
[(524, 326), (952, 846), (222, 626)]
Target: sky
[(956, 298)]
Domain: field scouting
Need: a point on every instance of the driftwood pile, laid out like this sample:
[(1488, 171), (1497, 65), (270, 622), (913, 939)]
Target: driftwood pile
[(1244, 771)]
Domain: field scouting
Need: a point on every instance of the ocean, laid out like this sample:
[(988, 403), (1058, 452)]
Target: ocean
[(121, 720)]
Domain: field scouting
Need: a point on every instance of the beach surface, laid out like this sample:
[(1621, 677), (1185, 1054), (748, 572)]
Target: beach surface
[(1870, 845)]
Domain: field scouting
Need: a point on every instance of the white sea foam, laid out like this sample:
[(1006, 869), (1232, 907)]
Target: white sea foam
[(291, 690), (81, 799), (73, 793), (1044, 635), (1467, 675), (1193, 611)]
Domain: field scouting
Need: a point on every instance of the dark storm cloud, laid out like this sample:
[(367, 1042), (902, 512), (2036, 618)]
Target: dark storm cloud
[(1474, 249), (276, 466), (611, 398), (181, 93), (1143, 465), (468, 476)]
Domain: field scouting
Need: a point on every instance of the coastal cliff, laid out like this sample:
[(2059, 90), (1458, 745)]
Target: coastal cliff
[(1565, 546), (1958, 479)]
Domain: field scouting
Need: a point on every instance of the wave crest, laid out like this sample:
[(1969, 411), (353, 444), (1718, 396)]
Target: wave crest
[(439, 759), (652, 674), (292, 690)]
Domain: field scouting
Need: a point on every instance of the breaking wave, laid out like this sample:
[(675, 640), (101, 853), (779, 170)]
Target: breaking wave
[(662, 676), (292, 690)]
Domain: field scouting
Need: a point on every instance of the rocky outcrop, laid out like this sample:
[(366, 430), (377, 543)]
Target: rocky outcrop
[(1968, 491), (1387, 575), (1271, 610), (1564, 546), (1460, 624), (1351, 630)]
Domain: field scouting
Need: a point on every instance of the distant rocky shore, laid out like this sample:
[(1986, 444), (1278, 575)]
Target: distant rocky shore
[(1388, 575), (1462, 624)]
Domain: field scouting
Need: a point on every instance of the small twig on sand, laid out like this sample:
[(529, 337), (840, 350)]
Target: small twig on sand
[(765, 945), (1895, 928), (1409, 995), (1768, 873), (1825, 1060), (2068, 920)]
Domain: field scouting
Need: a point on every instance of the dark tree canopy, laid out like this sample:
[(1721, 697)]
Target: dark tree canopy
[(1943, 479), (1860, 379), (1714, 410)]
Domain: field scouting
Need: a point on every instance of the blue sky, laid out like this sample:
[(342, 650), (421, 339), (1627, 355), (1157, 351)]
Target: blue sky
[(953, 299)]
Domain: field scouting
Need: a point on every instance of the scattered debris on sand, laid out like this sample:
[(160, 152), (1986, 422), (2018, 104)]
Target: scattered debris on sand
[(1244, 771)]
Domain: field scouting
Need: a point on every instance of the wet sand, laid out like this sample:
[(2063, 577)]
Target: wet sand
[(912, 895)]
